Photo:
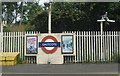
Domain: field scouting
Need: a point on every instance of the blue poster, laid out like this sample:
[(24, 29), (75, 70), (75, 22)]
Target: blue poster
[(67, 44)]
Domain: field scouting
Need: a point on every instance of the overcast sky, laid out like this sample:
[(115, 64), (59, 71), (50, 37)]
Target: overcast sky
[(41, 2)]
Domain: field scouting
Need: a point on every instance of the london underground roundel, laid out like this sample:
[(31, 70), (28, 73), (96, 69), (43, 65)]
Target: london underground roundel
[(49, 44)]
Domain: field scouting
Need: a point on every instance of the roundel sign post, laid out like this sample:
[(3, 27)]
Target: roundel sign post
[(49, 44)]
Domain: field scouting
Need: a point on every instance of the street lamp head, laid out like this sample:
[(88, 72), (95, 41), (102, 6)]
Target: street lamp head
[(47, 4), (105, 15), (105, 18), (102, 19), (108, 20)]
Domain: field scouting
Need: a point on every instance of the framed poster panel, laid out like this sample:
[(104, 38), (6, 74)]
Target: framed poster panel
[(67, 44), (31, 45)]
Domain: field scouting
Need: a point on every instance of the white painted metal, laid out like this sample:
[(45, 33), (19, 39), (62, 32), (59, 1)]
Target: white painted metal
[(88, 45), (49, 20), (91, 51), (79, 47), (22, 45), (99, 47), (9, 41), (82, 47)]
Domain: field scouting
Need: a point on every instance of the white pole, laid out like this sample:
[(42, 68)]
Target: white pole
[(101, 39), (49, 20)]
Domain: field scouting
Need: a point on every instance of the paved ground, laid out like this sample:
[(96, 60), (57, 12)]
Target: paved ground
[(83, 69)]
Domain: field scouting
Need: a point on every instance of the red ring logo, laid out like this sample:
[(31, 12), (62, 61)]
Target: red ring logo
[(51, 50)]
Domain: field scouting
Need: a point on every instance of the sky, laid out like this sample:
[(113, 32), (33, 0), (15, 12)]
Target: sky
[(41, 2)]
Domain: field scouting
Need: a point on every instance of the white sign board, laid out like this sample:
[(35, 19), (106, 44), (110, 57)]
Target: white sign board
[(49, 49)]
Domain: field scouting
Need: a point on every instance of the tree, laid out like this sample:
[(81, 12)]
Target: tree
[(68, 16), (26, 11)]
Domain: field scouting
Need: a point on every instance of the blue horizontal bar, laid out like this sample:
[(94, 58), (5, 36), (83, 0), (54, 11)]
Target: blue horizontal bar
[(49, 44)]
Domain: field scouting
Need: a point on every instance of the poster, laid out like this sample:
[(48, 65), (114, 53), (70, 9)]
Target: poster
[(31, 44), (67, 44)]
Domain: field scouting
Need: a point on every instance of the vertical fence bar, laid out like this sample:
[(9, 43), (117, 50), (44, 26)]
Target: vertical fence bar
[(23, 45), (79, 46), (92, 45), (112, 45), (84, 47), (99, 47), (1, 42), (17, 42), (13, 41), (76, 56), (107, 45), (87, 46), (9, 41), (4, 39), (96, 46), (20, 36), (110, 33), (117, 40), (103, 44)]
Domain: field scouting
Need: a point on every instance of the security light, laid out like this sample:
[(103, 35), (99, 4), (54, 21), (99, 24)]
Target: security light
[(103, 19), (110, 20)]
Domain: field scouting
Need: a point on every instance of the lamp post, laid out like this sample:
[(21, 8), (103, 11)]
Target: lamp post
[(103, 19), (48, 4), (49, 16)]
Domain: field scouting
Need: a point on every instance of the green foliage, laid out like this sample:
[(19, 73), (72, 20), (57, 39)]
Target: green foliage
[(26, 10), (65, 15), (77, 16)]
